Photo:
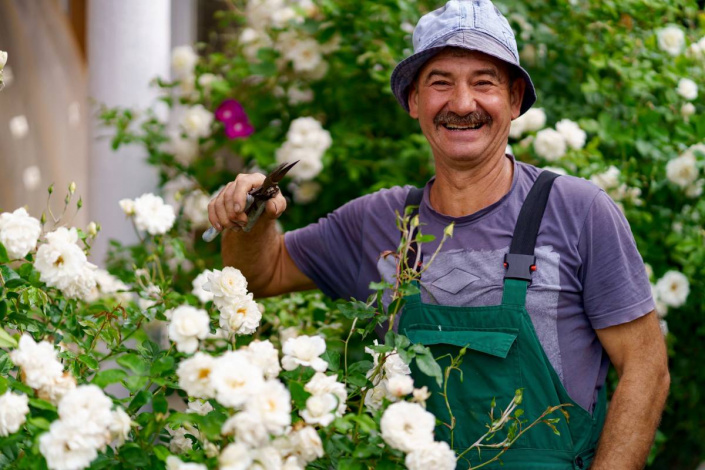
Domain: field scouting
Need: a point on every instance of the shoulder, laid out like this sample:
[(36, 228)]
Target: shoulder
[(570, 194)]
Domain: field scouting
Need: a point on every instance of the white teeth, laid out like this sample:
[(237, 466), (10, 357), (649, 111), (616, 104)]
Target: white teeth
[(457, 128)]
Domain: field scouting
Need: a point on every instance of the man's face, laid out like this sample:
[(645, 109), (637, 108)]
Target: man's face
[(465, 106)]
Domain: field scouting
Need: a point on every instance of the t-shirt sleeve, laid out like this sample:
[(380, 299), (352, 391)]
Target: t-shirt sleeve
[(616, 288), (328, 251)]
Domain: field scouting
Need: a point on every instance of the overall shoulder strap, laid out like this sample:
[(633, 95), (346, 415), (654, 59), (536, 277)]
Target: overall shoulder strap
[(520, 262)]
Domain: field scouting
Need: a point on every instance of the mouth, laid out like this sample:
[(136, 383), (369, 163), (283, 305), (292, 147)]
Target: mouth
[(455, 127)]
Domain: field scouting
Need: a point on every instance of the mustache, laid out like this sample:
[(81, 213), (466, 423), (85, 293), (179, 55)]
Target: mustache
[(472, 119)]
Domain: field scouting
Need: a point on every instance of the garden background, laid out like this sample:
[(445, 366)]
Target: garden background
[(620, 102)]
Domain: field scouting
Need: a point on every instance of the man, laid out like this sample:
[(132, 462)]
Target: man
[(587, 294)]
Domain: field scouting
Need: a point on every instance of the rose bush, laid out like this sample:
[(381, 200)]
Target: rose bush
[(618, 103), (99, 372)]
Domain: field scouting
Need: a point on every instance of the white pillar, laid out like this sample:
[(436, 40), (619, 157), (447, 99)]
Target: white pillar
[(129, 43)]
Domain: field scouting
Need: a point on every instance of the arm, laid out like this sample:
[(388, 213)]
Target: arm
[(260, 255), (638, 352)]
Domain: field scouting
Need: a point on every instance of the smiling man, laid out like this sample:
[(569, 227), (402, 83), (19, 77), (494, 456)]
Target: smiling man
[(542, 280)]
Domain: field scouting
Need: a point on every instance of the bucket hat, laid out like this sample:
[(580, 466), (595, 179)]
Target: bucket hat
[(475, 25)]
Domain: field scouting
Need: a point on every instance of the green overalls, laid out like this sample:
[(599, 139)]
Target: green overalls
[(503, 354)]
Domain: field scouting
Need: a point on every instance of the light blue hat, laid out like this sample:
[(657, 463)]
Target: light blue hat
[(476, 25)]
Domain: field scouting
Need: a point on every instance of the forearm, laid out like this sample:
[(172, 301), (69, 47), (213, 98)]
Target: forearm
[(257, 254), (633, 416)]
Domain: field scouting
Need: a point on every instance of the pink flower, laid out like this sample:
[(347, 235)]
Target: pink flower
[(234, 119)]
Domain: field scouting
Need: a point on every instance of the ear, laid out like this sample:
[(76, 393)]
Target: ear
[(413, 100), (516, 96)]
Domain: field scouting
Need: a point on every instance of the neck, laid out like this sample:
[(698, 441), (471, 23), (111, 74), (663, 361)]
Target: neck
[(459, 192)]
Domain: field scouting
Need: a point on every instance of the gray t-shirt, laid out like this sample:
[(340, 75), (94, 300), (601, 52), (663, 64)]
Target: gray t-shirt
[(590, 274)]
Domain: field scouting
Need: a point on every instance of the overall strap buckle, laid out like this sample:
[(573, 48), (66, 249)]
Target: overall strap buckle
[(519, 266)]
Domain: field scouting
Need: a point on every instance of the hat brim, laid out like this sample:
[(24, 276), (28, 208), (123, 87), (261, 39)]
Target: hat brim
[(405, 72)]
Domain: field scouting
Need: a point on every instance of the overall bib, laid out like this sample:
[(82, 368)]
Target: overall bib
[(503, 354)]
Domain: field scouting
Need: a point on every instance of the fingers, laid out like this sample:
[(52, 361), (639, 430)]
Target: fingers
[(226, 210)]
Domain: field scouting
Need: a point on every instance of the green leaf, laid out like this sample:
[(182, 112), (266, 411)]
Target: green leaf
[(333, 359), (298, 394), (425, 238), (161, 452), (108, 376), (141, 398), (41, 404), (39, 423), (350, 464), (136, 382), (133, 453), (3, 254), (160, 404), (8, 273), (133, 362), (89, 361), (356, 309), (7, 341), (3, 385), (428, 365), (161, 365)]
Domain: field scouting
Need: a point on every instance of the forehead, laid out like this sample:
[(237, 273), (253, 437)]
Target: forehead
[(456, 59)]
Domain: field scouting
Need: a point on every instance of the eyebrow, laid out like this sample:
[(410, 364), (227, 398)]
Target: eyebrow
[(487, 71)]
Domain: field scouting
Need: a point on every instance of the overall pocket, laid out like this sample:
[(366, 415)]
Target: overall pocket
[(489, 371)]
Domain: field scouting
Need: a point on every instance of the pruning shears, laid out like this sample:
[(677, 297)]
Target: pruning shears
[(257, 199)]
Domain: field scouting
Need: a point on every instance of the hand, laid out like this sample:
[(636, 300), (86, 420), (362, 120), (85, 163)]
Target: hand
[(227, 209)]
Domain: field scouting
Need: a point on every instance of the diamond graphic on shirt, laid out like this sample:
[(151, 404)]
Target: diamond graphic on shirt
[(455, 281)]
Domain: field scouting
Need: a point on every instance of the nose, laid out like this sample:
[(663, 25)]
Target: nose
[(462, 101)]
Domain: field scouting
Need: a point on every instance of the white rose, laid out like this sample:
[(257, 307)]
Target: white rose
[(153, 215), (308, 132), (421, 395), (281, 17), (13, 412), (120, 426), (555, 169), (673, 289), (60, 447), (240, 317), (247, 428), (174, 463), (296, 95), (19, 232), (196, 209), (185, 150), (320, 409), (287, 333), (695, 190), (179, 443), (235, 379), (198, 290), (687, 88), (687, 110), (374, 399), (573, 134), (199, 407), (307, 444), (550, 144), (664, 327), (196, 121), (682, 170), (305, 192), (188, 324), (183, 60), (309, 161), (3, 59), (207, 79), (38, 361), (235, 457), (31, 177), (304, 54), (272, 403), (305, 351), (267, 458), (394, 365), (660, 307), (671, 39), (437, 455), (127, 206), (88, 411), (195, 375), (265, 356), (55, 390), (321, 384), (62, 264), (531, 121), (607, 180), (407, 426), (226, 285), (400, 385)]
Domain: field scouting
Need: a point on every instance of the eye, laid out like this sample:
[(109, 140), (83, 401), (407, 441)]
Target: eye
[(484, 83), (440, 83)]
